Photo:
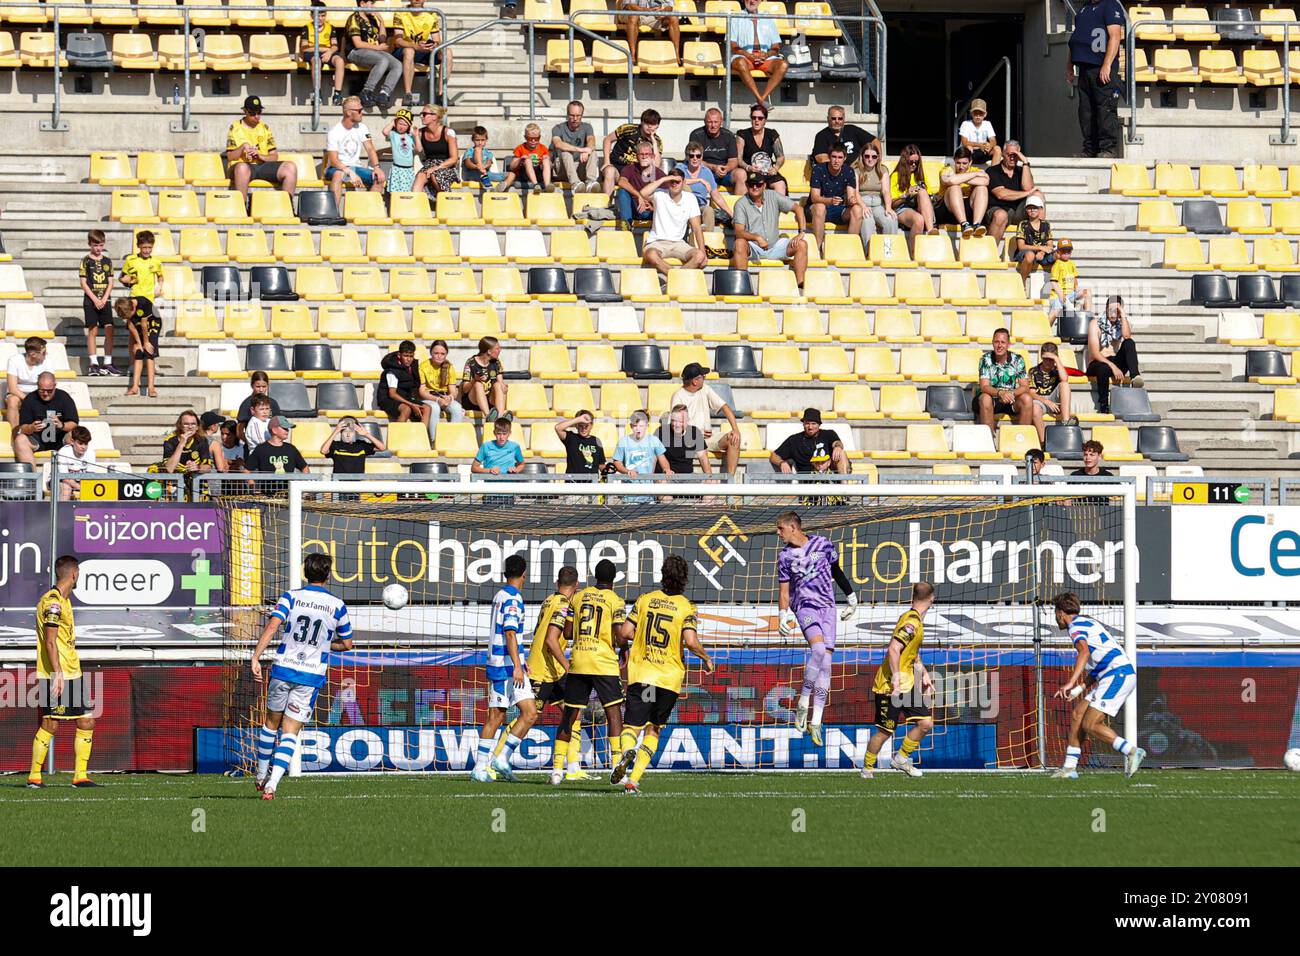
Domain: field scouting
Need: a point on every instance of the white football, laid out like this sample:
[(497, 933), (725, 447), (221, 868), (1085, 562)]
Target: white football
[(1291, 759), (395, 597)]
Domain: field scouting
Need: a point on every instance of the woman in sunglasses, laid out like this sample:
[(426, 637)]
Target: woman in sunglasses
[(762, 154), (873, 192), (909, 195)]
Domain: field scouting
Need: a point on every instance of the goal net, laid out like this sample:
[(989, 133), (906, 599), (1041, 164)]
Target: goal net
[(412, 694)]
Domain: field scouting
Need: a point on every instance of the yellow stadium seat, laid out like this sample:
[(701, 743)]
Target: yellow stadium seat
[(1032, 326), (1175, 179), (797, 176), (179, 283), (1005, 288), (1219, 66), (610, 57), (915, 288), (702, 58), (164, 246), (804, 324), (1175, 66), (476, 321), (1262, 67), (292, 320), (935, 252), (963, 364), (850, 326), (365, 209), (641, 285), (572, 247), (434, 246), (1293, 171), (569, 398), (34, 13), (244, 320), (225, 52), (658, 58), (412, 209), (815, 27), (921, 364), (981, 253), (982, 323), (294, 245), (1275, 254), (503, 284), (459, 209), (528, 400), (1286, 403), (824, 286), (1130, 179), (679, 356), (616, 248), (386, 322), (158, 169), (830, 363), (573, 323), (410, 284), (590, 201), (549, 360), (889, 251), (758, 324), (429, 322), (316, 282), (198, 320), (784, 363), (547, 209), (38, 50), (1220, 179), (718, 24), (1264, 182), (1150, 31), (411, 440), (503, 209), (340, 322), (960, 288), (688, 285), (617, 400), (201, 245), (844, 250), (876, 363), (559, 58), (1282, 328), (927, 440), (456, 284), (271, 207), (1117, 441), (179, 207), (134, 51), (598, 362), (870, 288), (896, 326), (1184, 253), (270, 52), (1201, 33), (342, 246), (132, 205), (942, 326), (388, 246), (111, 169), (1281, 17), (1159, 215), (1015, 440), (225, 207), (525, 321), (660, 394), (204, 169), (1142, 70), (1230, 254), (855, 403), (778, 285)]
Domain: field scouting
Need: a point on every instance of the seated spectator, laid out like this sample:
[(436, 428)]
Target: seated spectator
[(277, 455), (684, 444), (675, 231), (439, 389), (210, 428), (1112, 354), (501, 456), (1034, 243), (909, 196), (878, 214), (1036, 460), (186, 449), (1092, 458), (755, 47), (45, 418), (1066, 293), (761, 154), (1010, 183), (232, 446), (815, 450), (978, 136), (634, 177), (259, 384), (632, 25), (483, 384), (415, 34), (834, 195), (441, 152), (258, 427), (699, 179), (251, 153), (756, 220), (1050, 390), (403, 147), (345, 144), (349, 445), (965, 195), (702, 402), (479, 165), (583, 451), (368, 49), (721, 156), (836, 130), (573, 144), (74, 458), (1004, 385), (329, 54), (620, 150), (22, 372), (640, 453), (531, 163), (398, 393)]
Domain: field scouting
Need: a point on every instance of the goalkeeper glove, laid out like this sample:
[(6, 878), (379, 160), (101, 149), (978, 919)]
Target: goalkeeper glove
[(849, 608), (789, 623)]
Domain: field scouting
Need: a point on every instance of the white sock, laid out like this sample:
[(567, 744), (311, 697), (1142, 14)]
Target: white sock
[(508, 750), (804, 698), (484, 755), (283, 757), (1072, 755), (1123, 746), (265, 748)]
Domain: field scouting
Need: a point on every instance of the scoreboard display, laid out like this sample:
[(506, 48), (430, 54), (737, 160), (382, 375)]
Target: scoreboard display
[(1210, 493), (120, 489)]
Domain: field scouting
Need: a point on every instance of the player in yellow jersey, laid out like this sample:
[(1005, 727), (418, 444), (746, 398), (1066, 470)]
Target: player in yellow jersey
[(895, 688), (593, 662), (661, 627), (62, 689)]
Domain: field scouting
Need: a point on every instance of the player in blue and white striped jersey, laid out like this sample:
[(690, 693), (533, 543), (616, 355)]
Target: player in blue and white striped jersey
[(508, 683), (1110, 680), (311, 622)]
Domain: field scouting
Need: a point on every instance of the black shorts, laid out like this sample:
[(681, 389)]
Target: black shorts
[(999, 408), (648, 704), (889, 714), (943, 215), (467, 397), (268, 171), (578, 688), (980, 157), (152, 338), (96, 318), (550, 692), (70, 706)]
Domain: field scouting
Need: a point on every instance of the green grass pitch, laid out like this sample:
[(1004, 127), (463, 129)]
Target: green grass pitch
[(1158, 818)]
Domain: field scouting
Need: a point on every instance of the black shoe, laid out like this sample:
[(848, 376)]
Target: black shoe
[(411, 99), (35, 784), (623, 766), (367, 99), (510, 11), (85, 784), (384, 100), (110, 370), (94, 371), (1104, 408), (337, 98)]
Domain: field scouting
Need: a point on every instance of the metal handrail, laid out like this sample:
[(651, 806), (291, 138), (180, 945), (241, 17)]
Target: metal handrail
[(572, 27), (961, 108), (1284, 138)]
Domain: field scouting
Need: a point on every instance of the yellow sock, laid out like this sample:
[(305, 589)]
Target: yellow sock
[(628, 740), (909, 745), (575, 744), (869, 761), (648, 747), (40, 750), (561, 751), (82, 748)]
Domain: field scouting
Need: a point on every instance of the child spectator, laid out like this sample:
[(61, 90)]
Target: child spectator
[(501, 456), (329, 49), (277, 454), (978, 136), (231, 445), (186, 449), (1034, 245), (97, 286), (403, 146), (438, 388), (210, 429), (142, 271), (480, 164), (258, 428), (348, 447), (483, 384), (1066, 293), (639, 453), (532, 161), (75, 458)]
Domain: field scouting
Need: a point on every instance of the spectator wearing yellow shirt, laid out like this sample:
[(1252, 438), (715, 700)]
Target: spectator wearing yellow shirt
[(1066, 293), (251, 152), (415, 34), (330, 54)]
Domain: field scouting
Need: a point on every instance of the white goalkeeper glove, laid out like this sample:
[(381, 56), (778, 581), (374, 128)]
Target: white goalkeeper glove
[(789, 623), (849, 608)]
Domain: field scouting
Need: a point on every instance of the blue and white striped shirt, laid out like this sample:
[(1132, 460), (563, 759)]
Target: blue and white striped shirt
[(507, 615), (313, 618), (1105, 652)]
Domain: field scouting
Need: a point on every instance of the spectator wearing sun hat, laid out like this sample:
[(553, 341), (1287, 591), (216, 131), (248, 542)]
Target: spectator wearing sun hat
[(978, 135)]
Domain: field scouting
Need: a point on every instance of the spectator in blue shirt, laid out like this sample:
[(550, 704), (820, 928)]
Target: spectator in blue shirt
[(699, 179), (639, 452), (755, 46), (501, 456), (1094, 47), (834, 195)]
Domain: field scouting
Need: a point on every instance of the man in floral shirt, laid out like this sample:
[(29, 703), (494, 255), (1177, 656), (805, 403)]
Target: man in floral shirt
[(1004, 387)]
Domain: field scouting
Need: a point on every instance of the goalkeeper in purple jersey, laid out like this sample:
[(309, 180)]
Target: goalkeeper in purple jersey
[(806, 568)]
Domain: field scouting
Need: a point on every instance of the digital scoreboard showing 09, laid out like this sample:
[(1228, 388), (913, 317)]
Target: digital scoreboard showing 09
[(1210, 493), (120, 489)]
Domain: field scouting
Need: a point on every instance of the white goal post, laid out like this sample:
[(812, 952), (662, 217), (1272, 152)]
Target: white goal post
[(558, 489)]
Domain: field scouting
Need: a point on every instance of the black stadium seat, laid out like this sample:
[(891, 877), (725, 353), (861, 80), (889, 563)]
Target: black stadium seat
[(13, 485), (292, 398), (1159, 443), (1257, 292), (1132, 405), (547, 280), (595, 284), (313, 357), (1064, 442), (536, 468), (1202, 217), (337, 397), (840, 63), (725, 393), (735, 361), (271, 284), (798, 69), (267, 356), (1212, 291), (1072, 327), (732, 282), (1265, 363), (316, 207), (222, 284), (429, 468), (644, 362), (949, 403), (1229, 22), (87, 51)]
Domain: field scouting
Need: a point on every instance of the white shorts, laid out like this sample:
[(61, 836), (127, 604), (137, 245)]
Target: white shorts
[(294, 700), (1111, 691), (503, 694)]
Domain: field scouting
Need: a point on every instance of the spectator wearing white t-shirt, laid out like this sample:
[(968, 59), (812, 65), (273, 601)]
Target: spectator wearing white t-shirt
[(75, 458), (21, 374), (702, 403), (345, 144), (676, 215), (978, 135)]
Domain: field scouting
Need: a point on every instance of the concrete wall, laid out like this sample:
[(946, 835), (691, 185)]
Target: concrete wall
[(1051, 112)]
